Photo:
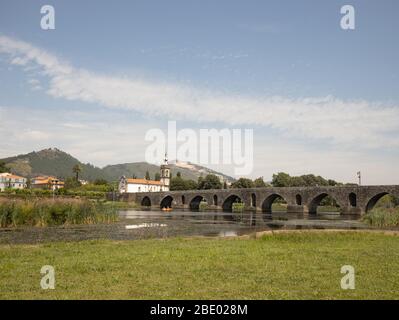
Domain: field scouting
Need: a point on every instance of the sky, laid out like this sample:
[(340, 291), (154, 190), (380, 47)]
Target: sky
[(318, 98)]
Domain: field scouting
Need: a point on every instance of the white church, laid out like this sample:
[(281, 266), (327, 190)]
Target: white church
[(127, 185)]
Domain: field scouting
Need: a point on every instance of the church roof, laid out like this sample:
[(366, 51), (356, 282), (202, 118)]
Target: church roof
[(143, 181)]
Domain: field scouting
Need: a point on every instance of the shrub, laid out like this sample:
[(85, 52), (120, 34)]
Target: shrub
[(238, 207), (203, 206)]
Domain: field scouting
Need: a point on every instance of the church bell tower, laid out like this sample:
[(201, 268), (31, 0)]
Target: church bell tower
[(165, 175)]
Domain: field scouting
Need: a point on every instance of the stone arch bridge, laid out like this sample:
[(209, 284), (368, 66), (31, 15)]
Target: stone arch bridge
[(350, 199)]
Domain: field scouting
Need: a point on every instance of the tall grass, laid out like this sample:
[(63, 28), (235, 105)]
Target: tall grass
[(46, 212), (382, 217)]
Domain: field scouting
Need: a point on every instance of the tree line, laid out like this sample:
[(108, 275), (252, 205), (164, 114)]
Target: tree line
[(280, 179)]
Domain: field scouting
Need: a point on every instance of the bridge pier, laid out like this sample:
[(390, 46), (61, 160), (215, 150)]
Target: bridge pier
[(352, 211), (294, 208), (213, 207)]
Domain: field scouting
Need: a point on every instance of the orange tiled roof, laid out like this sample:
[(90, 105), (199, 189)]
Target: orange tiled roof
[(143, 181), (41, 182), (46, 180), (13, 176)]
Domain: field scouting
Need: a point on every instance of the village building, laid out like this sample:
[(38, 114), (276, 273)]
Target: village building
[(46, 183), (127, 185), (11, 181)]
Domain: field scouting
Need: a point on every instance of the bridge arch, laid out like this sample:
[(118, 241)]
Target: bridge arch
[(195, 202), (166, 202), (146, 202), (253, 200), (352, 199), (316, 201), (228, 203), (298, 200), (215, 200), (268, 202), (374, 199)]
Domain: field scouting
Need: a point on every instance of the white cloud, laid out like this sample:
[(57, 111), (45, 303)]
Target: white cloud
[(35, 84), (28, 135), (359, 123)]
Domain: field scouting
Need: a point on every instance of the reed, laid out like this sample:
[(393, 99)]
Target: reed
[(47, 212), (382, 217)]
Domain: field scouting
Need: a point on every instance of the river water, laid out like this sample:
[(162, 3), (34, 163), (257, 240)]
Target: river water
[(134, 224)]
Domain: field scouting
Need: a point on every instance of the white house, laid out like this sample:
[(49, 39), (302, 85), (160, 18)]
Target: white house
[(9, 180), (127, 185)]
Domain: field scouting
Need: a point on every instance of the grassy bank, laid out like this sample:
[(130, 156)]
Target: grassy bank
[(47, 212), (382, 217), (300, 265), (29, 193)]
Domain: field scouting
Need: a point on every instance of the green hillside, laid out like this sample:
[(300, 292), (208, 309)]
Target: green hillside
[(50, 162), (55, 162)]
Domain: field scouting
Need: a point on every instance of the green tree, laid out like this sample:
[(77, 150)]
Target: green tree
[(100, 182), (191, 185), (243, 183), (297, 182), (157, 176), (178, 174), (281, 179), (211, 181), (28, 183), (71, 183), (77, 170), (259, 183), (3, 167), (147, 175), (177, 183), (332, 182)]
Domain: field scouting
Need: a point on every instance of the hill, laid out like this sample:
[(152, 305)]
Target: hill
[(55, 162), (50, 161)]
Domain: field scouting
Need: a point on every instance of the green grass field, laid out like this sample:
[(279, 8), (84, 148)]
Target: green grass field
[(303, 265)]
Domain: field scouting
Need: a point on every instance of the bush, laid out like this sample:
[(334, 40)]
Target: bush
[(203, 206), (238, 207)]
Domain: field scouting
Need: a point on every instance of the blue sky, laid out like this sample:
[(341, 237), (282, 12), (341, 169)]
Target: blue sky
[(337, 109)]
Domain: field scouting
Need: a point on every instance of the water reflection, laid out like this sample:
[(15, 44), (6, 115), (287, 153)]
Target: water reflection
[(142, 224), (226, 223)]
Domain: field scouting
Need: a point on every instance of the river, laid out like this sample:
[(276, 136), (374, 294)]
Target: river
[(135, 224)]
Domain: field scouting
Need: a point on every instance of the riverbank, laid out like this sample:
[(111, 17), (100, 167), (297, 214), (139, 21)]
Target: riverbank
[(282, 265)]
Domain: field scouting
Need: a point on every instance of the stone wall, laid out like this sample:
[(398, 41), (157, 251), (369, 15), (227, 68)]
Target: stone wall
[(351, 199)]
